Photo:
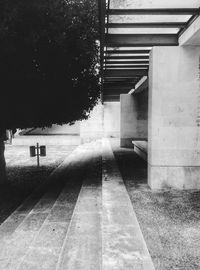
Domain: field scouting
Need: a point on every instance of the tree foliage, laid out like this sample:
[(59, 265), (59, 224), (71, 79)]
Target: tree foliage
[(48, 59)]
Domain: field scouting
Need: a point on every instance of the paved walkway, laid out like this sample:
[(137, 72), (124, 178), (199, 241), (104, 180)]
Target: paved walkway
[(101, 232)]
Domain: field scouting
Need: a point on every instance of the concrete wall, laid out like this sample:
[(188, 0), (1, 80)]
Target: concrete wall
[(174, 118), (134, 118)]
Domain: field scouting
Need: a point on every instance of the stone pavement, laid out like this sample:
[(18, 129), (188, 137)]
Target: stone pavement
[(100, 232)]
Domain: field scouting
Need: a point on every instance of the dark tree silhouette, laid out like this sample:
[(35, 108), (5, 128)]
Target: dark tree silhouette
[(48, 63)]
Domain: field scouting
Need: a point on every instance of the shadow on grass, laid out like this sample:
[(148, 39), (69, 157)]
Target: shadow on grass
[(21, 182)]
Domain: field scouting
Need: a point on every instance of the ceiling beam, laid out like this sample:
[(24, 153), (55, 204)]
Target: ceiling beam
[(127, 52), (121, 80), (127, 66), (111, 91), (118, 87), (125, 40), (111, 98), (140, 86), (127, 57), (147, 25), (124, 72), (157, 11), (143, 62)]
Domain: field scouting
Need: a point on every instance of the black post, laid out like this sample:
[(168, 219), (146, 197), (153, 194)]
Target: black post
[(38, 155)]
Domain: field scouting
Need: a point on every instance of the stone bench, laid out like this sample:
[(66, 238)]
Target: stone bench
[(140, 147)]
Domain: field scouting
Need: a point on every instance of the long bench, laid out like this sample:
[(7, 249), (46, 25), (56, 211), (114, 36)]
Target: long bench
[(140, 147)]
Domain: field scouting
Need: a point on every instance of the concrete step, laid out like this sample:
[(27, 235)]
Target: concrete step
[(37, 216), (101, 232), (123, 244), (82, 249)]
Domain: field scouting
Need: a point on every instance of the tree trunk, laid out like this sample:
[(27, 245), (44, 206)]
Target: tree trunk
[(3, 176)]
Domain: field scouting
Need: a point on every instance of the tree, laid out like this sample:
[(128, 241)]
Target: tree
[(48, 63)]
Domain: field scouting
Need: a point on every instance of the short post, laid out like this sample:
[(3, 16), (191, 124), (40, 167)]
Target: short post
[(38, 151), (38, 155)]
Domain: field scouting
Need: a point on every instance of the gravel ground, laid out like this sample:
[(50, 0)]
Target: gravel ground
[(24, 175), (170, 220)]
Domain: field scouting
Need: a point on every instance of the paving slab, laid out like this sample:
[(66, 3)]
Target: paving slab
[(82, 249), (123, 244), (100, 233), (39, 225)]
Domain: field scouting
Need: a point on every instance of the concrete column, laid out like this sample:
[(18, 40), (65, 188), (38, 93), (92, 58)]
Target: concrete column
[(133, 123), (174, 118)]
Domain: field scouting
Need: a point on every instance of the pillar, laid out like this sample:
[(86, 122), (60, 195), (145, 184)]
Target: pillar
[(133, 122), (174, 118)]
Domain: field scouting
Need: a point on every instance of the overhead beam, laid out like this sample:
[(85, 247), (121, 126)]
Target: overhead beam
[(192, 34), (157, 11), (147, 25), (120, 80), (111, 98), (127, 66), (124, 72), (118, 88), (127, 52), (118, 91), (126, 40), (143, 62), (119, 84), (126, 57), (140, 86)]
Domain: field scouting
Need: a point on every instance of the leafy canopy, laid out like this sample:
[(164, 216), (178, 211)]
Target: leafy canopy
[(48, 61)]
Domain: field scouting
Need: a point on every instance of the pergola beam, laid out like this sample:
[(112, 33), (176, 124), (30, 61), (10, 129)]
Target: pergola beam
[(127, 52), (111, 98), (118, 86), (147, 25), (127, 66), (140, 86), (117, 90), (124, 72), (126, 40), (143, 62), (112, 57), (120, 81), (157, 11)]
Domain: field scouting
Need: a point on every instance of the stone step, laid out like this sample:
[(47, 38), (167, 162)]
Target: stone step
[(123, 244), (82, 249), (36, 217), (101, 232), (43, 252)]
